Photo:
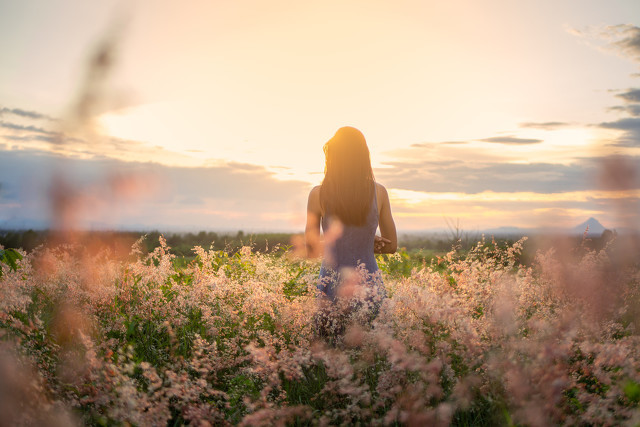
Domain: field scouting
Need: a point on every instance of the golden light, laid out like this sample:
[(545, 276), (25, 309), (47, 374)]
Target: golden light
[(208, 139)]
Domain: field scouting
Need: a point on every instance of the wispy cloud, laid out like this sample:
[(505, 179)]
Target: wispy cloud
[(221, 195), (623, 39), (25, 113), (522, 209), (631, 95), (627, 39), (33, 134), (427, 144), (230, 195), (627, 123), (23, 128), (511, 140), (544, 125), (632, 109), (630, 125), (631, 136), (466, 169), (500, 177), (32, 138)]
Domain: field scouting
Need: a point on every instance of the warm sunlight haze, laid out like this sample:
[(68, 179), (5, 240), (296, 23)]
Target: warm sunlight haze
[(320, 213), (499, 114)]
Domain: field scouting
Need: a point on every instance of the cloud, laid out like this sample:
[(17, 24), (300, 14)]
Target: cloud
[(245, 167), (225, 196), (631, 95), (430, 144), (498, 177), (30, 132), (27, 135), (434, 168), (482, 210), (511, 140), (31, 138), (544, 125), (623, 39), (627, 123), (23, 128), (627, 40), (632, 109), (25, 113), (631, 126)]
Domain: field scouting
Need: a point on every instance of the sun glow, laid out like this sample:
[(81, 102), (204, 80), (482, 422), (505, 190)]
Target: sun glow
[(414, 209), (153, 124), (413, 198), (560, 146), (202, 139)]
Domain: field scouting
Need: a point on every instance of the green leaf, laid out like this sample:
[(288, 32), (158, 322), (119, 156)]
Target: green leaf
[(10, 257), (632, 391)]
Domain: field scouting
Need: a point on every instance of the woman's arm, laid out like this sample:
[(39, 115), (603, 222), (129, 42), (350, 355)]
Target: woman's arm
[(312, 229), (387, 226)]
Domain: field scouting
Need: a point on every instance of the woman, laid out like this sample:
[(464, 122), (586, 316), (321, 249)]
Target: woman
[(350, 206)]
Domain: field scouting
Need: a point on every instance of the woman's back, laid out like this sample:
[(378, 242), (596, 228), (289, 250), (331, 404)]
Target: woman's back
[(352, 248)]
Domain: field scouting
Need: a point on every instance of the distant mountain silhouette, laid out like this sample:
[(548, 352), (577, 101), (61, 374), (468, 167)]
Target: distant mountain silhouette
[(595, 228)]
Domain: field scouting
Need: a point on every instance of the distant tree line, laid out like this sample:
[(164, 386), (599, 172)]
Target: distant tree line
[(20, 239), (182, 244)]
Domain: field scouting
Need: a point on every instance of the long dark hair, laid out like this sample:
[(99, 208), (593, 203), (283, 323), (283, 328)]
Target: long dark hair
[(347, 188)]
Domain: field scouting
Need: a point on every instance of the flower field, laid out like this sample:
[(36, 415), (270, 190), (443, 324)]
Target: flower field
[(469, 339)]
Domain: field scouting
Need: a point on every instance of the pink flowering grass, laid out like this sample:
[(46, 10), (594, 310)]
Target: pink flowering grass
[(87, 337)]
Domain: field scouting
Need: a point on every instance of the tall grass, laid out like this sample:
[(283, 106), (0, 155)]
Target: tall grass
[(235, 339)]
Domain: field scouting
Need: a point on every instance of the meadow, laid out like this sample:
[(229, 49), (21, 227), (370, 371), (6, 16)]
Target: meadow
[(93, 336)]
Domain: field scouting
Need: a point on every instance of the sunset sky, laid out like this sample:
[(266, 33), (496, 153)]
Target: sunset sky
[(213, 114)]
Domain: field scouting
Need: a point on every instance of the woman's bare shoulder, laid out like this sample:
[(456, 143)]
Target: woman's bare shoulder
[(381, 190), (315, 193), (314, 200)]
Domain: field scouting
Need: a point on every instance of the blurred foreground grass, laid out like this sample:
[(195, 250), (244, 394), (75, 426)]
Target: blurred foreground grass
[(468, 337)]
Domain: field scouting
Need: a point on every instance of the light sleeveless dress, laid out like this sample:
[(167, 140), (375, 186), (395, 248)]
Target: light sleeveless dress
[(353, 249)]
